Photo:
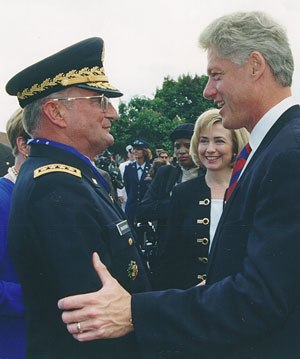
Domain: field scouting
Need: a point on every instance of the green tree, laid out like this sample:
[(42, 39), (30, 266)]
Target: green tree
[(177, 101), (183, 97)]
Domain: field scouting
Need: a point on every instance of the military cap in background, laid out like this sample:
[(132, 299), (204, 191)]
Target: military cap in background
[(184, 130), (139, 143), (78, 65)]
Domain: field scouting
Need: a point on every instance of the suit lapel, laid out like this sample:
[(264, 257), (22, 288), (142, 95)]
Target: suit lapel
[(271, 134)]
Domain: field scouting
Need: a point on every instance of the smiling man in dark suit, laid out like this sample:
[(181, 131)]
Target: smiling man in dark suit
[(250, 305)]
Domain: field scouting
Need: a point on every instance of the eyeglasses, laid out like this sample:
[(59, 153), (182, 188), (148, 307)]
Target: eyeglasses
[(177, 146), (101, 99)]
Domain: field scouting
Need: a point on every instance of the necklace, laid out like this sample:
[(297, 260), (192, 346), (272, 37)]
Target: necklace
[(13, 173)]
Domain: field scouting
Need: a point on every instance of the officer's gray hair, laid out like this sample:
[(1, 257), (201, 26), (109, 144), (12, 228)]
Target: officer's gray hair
[(237, 35), (33, 112)]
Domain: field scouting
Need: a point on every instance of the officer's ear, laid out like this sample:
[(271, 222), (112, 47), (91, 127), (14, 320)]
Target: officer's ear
[(55, 112)]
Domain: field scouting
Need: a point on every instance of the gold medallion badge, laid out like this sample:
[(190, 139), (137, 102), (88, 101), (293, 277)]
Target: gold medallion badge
[(132, 270)]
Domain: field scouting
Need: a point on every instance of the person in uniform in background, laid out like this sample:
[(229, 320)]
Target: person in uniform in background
[(62, 209), (12, 315), (6, 159), (134, 178), (197, 205)]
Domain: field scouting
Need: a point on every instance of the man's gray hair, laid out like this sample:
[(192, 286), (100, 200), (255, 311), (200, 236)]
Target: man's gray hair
[(237, 35), (33, 112)]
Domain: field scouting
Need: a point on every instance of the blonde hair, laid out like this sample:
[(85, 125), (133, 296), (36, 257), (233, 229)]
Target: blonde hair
[(206, 121), (15, 129), (147, 154)]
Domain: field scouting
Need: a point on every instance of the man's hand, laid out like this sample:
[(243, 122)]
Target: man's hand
[(103, 314)]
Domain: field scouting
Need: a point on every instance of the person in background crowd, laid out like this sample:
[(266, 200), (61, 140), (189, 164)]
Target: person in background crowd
[(6, 159), (163, 155), (62, 209), (250, 305), (134, 178), (156, 164), (197, 204), (106, 162), (155, 205), (122, 195), (12, 322), (158, 149)]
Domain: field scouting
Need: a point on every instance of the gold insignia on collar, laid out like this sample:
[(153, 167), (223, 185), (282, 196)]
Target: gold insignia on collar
[(56, 167), (132, 270)]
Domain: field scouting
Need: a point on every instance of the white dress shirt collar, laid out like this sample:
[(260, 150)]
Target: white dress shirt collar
[(267, 121)]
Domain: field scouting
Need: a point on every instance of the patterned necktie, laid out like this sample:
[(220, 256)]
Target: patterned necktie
[(237, 169)]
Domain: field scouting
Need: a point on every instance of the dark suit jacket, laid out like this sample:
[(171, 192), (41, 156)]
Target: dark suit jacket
[(6, 159), (57, 221), (251, 305), (135, 188)]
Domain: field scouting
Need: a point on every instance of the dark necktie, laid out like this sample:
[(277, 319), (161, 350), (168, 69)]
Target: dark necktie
[(237, 169), (140, 172)]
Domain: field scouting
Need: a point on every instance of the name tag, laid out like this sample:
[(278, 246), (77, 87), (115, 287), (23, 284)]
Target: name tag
[(123, 227)]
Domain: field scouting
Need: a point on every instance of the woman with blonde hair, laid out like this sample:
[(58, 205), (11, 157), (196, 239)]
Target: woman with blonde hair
[(197, 204), (12, 323)]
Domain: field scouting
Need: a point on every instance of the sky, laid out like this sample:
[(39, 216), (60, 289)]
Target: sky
[(145, 40)]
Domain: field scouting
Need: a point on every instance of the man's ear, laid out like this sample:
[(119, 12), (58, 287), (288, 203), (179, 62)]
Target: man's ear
[(257, 64), (55, 112)]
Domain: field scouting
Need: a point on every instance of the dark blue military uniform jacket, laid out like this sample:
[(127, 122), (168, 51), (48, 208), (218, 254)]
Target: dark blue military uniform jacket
[(135, 188), (60, 215), (250, 307)]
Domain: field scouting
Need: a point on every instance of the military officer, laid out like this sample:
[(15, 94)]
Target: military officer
[(62, 208), (135, 175)]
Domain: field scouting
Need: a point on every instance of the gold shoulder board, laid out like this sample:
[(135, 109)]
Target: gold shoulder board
[(56, 167)]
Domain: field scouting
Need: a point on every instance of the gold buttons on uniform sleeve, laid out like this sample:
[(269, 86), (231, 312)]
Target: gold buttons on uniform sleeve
[(130, 241), (204, 221)]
